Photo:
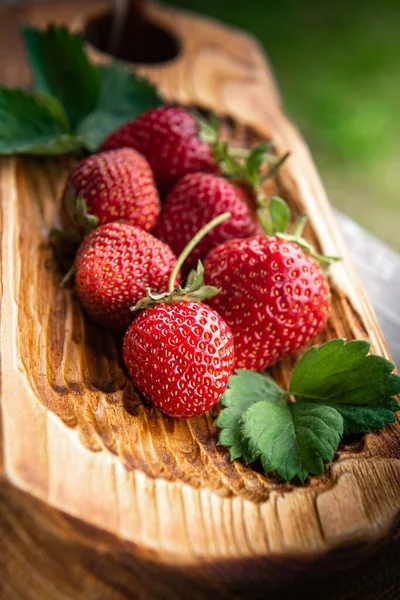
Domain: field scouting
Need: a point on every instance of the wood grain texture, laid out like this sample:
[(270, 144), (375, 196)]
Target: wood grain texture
[(92, 471)]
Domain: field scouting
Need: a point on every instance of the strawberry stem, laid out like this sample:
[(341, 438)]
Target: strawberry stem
[(68, 276), (193, 242)]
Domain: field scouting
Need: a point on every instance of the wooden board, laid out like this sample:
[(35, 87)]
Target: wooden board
[(103, 497)]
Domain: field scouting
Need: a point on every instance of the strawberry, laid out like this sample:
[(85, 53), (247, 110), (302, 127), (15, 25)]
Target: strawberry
[(114, 266), (194, 201), (180, 356), (178, 351), (274, 294), (111, 186), (168, 138), (198, 197)]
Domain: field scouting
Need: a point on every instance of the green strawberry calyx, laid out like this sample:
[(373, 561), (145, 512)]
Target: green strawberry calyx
[(81, 222), (194, 289), (275, 219), (76, 209), (244, 166), (239, 164)]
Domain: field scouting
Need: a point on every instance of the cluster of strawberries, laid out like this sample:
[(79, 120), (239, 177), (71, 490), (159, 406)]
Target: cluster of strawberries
[(258, 298)]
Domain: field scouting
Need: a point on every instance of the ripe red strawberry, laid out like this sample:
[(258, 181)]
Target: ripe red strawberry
[(194, 201), (114, 267), (168, 138), (274, 296), (112, 186), (180, 356)]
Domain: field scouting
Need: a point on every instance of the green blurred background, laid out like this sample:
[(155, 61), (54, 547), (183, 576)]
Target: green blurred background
[(338, 66)]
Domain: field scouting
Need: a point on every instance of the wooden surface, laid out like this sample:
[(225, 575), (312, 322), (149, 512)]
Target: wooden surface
[(378, 266), (104, 497)]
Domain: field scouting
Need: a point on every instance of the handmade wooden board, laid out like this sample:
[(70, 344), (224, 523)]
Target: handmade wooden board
[(104, 497)]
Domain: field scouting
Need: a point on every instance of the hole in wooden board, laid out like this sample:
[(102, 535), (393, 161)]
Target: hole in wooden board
[(141, 41)]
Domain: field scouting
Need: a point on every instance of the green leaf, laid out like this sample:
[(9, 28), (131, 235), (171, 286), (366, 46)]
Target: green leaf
[(207, 129), (32, 125), (340, 372), (239, 164), (361, 418), (245, 388), (280, 214), (322, 259), (123, 96), (293, 439), (254, 161), (195, 277), (61, 69), (76, 104), (359, 386), (338, 389), (56, 110), (195, 287)]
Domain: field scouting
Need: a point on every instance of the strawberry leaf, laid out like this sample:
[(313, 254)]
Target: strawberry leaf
[(123, 96), (274, 218), (61, 68), (31, 125), (293, 439), (360, 418), (245, 388), (344, 372), (338, 388), (76, 105)]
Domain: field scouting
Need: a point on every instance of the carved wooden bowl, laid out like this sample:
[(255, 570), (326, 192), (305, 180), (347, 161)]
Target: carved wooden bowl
[(104, 496)]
